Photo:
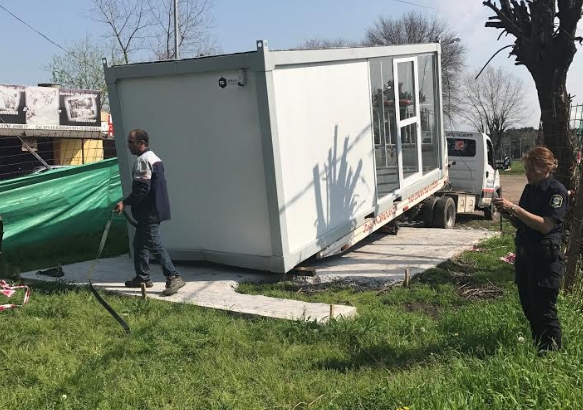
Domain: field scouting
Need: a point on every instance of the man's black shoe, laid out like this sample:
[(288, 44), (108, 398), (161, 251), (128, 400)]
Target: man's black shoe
[(137, 282)]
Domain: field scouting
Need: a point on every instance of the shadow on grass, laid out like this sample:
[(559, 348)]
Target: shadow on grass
[(479, 345), (55, 288), (133, 354)]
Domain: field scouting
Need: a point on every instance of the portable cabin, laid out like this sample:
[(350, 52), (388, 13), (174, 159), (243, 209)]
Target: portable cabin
[(273, 156)]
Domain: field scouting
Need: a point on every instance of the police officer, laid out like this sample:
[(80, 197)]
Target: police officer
[(538, 218)]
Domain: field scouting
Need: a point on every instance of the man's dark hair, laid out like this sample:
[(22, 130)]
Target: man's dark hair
[(141, 135)]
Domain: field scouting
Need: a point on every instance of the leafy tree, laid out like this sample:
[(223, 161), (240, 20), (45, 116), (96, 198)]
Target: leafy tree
[(82, 67)]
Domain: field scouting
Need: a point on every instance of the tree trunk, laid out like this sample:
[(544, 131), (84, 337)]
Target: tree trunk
[(555, 106), (497, 141)]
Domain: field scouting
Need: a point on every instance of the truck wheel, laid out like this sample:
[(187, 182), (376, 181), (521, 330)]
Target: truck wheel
[(444, 213), (427, 211), (491, 210)]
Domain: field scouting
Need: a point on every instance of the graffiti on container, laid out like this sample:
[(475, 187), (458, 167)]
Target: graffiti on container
[(422, 192), (385, 216), (392, 212)]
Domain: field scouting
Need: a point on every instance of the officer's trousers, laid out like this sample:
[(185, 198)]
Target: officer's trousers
[(539, 269)]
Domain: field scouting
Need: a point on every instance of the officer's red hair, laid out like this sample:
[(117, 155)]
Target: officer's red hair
[(540, 158)]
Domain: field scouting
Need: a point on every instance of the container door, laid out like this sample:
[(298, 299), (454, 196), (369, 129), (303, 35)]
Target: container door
[(407, 119)]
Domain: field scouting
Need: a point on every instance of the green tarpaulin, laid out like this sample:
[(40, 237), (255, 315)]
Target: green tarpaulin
[(59, 203)]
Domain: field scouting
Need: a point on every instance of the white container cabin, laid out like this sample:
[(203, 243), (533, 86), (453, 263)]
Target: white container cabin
[(273, 157)]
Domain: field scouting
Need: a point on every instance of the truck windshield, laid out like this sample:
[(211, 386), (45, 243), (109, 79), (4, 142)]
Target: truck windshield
[(461, 147)]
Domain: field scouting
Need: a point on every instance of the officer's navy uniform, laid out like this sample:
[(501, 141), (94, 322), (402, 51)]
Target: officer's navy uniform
[(539, 261)]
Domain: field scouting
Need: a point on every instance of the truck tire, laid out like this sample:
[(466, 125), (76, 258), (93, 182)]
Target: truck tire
[(491, 210), (444, 213), (427, 211)]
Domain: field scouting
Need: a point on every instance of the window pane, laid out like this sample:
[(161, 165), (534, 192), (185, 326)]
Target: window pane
[(407, 92), (428, 107), (376, 83), (389, 102), (409, 144), (384, 125)]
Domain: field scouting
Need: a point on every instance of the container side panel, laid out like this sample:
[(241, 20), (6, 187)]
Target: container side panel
[(323, 120), (209, 139)]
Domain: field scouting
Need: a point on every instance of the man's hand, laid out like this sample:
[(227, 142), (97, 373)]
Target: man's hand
[(118, 208)]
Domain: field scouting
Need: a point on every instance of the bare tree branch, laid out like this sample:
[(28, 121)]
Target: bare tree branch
[(496, 101), (136, 25), (505, 18), (417, 28), (195, 25), (317, 43)]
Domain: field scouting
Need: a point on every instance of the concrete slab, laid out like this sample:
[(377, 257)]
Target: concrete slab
[(207, 285), (384, 258)]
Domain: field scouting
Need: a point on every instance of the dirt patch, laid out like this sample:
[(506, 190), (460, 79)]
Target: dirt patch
[(512, 186), (430, 310), (481, 292), (310, 286), (460, 276)]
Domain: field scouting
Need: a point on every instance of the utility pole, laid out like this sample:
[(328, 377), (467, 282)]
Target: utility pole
[(176, 51)]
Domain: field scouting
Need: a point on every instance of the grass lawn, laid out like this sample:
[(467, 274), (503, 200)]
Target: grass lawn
[(515, 169), (450, 341)]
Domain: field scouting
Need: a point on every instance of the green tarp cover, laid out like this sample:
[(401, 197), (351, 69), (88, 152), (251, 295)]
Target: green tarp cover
[(59, 203)]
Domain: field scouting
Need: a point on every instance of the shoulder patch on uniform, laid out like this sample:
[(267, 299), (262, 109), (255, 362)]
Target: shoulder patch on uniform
[(556, 201)]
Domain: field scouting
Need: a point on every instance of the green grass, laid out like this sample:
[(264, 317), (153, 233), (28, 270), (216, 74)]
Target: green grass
[(423, 347), (515, 169)]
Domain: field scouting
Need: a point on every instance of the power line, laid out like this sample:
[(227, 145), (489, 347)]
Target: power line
[(415, 4), (35, 30)]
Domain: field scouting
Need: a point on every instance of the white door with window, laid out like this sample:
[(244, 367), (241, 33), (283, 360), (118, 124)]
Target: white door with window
[(408, 119)]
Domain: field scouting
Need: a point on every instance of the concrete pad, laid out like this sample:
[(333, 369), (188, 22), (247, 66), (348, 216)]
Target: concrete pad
[(386, 257), (214, 286), (207, 285)]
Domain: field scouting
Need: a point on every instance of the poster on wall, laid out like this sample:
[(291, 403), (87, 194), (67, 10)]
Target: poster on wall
[(50, 111), (80, 108), (42, 106), (12, 103)]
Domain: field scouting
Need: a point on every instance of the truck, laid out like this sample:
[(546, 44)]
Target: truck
[(473, 168), (277, 156)]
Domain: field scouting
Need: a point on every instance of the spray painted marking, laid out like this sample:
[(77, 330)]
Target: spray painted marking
[(386, 215), (423, 192)]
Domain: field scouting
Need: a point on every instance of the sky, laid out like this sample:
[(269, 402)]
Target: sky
[(283, 23)]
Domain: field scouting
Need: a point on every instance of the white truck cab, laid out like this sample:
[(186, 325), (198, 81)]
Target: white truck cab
[(472, 168)]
